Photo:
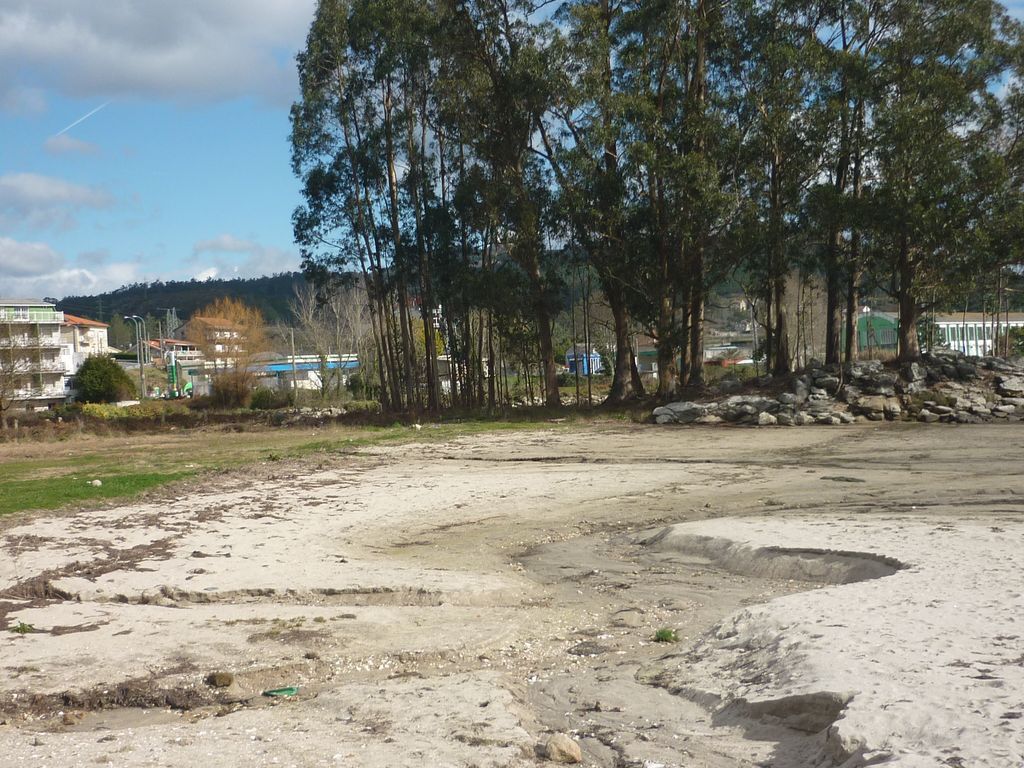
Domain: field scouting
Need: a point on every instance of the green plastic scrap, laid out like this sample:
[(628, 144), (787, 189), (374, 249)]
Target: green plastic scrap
[(290, 690)]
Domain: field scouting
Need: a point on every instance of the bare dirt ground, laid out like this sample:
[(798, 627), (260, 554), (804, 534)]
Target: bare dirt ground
[(453, 604)]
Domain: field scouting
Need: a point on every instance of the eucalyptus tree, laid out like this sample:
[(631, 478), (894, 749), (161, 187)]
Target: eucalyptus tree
[(500, 54), (939, 63), (849, 34), (581, 133), (675, 111), (334, 155), (360, 145), (778, 54)]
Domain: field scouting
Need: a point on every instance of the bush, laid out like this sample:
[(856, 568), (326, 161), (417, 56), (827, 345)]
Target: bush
[(101, 380), (362, 406), (266, 399), (148, 409), (357, 386), (230, 390)]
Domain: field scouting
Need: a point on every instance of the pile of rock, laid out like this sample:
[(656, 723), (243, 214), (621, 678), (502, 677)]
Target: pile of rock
[(943, 387)]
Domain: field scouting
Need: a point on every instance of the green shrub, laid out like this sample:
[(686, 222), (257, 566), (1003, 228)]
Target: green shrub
[(230, 390), (666, 635), (101, 380), (266, 399), (357, 386), (362, 406), (147, 409)]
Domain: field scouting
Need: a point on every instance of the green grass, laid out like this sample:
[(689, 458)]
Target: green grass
[(56, 492), (50, 475), (666, 635)]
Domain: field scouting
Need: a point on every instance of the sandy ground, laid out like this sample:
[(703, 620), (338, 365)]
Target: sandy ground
[(841, 596)]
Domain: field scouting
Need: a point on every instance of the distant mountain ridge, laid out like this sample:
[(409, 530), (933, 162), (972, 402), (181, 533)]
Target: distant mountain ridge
[(270, 294)]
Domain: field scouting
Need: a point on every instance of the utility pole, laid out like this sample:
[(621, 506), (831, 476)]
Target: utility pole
[(295, 376)]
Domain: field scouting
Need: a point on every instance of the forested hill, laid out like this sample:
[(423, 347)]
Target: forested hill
[(270, 294)]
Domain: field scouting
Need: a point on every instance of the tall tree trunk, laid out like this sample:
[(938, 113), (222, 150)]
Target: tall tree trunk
[(667, 369), (408, 353), (697, 97), (782, 362), (426, 287), (526, 251), (853, 262), (910, 311), (622, 382), (695, 376)]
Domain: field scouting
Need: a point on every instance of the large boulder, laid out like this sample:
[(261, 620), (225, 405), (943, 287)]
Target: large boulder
[(680, 413), (746, 407), (828, 383), (863, 369), (879, 383), (1010, 386)]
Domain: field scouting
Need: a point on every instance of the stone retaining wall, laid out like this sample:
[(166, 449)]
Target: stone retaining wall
[(943, 387)]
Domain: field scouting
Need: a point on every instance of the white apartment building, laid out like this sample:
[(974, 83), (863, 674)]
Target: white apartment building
[(31, 366), (973, 333)]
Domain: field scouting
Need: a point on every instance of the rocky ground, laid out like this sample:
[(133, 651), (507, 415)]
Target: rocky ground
[(494, 601), (944, 387)]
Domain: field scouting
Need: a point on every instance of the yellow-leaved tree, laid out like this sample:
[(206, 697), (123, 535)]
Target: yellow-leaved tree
[(233, 339)]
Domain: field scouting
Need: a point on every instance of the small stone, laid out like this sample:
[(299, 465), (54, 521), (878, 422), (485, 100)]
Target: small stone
[(927, 416), (95, 483), (219, 679), (629, 617), (561, 748), (766, 419), (914, 371)]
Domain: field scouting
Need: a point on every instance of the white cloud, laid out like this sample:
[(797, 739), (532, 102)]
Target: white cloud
[(64, 143), (19, 260), (187, 50), (30, 199), (36, 270), (237, 257)]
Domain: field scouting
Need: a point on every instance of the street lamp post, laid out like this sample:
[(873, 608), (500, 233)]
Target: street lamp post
[(140, 330)]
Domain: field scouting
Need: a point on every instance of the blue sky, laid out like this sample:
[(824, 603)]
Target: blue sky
[(184, 169)]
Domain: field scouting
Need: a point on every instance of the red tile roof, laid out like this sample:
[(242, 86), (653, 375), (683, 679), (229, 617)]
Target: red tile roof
[(76, 320)]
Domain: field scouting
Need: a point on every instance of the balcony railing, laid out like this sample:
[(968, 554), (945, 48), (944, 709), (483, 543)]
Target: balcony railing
[(29, 344), (11, 315), (48, 366), (39, 393)]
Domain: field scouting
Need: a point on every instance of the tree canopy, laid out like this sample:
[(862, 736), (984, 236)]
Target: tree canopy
[(467, 159)]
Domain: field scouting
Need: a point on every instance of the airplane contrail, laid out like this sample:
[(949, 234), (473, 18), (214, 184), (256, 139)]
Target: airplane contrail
[(86, 116)]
